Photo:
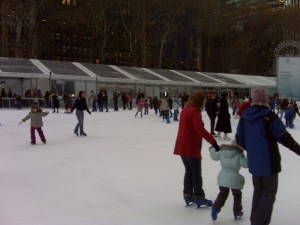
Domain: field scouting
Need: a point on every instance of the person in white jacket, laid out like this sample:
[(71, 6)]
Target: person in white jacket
[(232, 159)]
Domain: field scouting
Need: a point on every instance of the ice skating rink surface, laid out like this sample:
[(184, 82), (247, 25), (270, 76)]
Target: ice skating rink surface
[(123, 173)]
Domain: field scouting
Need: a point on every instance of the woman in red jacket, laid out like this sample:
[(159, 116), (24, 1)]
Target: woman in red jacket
[(188, 146)]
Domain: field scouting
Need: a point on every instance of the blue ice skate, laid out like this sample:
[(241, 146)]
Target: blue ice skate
[(205, 202), (189, 202), (291, 126), (214, 214)]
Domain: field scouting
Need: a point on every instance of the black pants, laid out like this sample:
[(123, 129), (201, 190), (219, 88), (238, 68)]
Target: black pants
[(193, 177), (116, 108), (296, 112), (155, 109), (264, 195), (212, 118), (124, 105), (222, 197)]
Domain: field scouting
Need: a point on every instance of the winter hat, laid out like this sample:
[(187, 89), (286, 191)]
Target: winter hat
[(259, 96)]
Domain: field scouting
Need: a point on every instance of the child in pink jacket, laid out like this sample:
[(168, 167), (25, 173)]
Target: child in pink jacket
[(141, 104)]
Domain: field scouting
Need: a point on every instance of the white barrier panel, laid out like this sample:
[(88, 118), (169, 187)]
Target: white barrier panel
[(288, 77)]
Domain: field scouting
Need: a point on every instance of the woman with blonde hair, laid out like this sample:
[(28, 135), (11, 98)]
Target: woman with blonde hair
[(188, 145)]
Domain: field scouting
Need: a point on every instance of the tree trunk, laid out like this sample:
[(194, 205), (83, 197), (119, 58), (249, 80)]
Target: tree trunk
[(199, 52), (162, 50)]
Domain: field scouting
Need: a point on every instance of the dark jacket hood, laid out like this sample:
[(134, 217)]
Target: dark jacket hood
[(254, 113)]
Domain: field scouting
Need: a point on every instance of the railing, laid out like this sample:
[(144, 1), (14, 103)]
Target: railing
[(41, 102), (25, 102)]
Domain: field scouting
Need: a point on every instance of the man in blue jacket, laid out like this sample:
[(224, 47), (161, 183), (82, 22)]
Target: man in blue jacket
[(259, 132)]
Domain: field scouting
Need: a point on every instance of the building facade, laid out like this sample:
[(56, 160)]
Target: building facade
[(292, 31), (18, 28)]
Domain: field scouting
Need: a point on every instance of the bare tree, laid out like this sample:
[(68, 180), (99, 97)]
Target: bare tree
[(103, 22)]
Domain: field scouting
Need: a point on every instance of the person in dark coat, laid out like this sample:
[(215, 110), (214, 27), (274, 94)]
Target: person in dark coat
[(124, 100), (3, 93), (188, 145), (55, 102), (296, 109), (223, 123), (116, 100), (258, 132), (283, 107), (80, 106), (99, 101), (212, 110), (155, 105), (47, 99), (104, 101)]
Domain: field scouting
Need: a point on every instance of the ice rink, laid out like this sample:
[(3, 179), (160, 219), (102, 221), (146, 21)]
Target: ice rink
[(123, 173)]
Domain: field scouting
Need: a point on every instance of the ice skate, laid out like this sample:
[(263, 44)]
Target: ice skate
[(205, 202), (214, 214), (189, 199), (238, 215)]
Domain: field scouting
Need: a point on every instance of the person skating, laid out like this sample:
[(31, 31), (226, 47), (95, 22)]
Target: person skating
[(104, 101), (124, 100), (188, 146), (296, 109), (130, 100), (141, 104), (212, 111), (164, 108), (116, 100), (176, 109), (289, 116), (258, 132), (231, 158), (80, 106), (223, 123), (36, 123), (93, 97), (55, 102), (146, 107), (170, 102), (155, 105)]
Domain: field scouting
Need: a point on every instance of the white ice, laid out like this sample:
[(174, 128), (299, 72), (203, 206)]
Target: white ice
[(123, 173)]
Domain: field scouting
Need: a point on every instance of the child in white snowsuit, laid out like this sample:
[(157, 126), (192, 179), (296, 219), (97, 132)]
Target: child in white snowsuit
[(232, 159), (36, 123)]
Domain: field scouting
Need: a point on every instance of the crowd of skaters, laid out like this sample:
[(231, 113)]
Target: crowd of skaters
[(257, 110)]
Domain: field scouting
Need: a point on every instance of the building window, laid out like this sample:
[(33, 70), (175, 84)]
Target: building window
[(68, 2)]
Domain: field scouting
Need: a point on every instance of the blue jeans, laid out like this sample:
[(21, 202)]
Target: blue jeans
[(176, 112), (80, 117)]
